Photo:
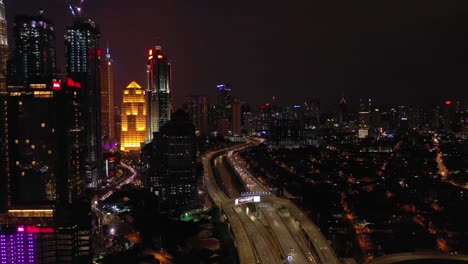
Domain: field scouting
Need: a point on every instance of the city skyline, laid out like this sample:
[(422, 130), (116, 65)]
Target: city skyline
[(380, 52), (233, 132)]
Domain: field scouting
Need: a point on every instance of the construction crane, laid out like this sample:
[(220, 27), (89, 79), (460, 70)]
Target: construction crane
[(75, 7)]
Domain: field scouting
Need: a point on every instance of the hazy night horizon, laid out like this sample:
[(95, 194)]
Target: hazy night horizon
[(404, 52)]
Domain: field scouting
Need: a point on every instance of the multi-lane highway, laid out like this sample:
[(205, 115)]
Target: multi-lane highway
[(127, 179), (278, 232), (320, 245)]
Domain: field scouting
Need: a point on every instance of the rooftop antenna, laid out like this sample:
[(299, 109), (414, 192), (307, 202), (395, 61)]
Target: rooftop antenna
[(107, 51), (158, 43)]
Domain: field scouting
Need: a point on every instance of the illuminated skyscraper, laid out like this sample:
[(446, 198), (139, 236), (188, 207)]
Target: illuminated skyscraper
[(3, 47), (159, 91), (107, 101), (4, 173), (133, 118), (34, 55), (83, 57)]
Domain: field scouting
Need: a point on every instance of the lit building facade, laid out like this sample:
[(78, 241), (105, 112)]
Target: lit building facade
[(133, 118), (159, 91), (83, 63), (45, 244), (34, 56), (107, 102), (3, 47), (4, 170)]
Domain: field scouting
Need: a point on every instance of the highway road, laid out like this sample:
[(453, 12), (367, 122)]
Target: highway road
[(244, 245), (132, 176), (321, 246)]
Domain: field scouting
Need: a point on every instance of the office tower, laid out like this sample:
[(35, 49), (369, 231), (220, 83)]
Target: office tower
[(197, 107), (448, 115), (133, 118), (224, 101), (83, 56), (375, 118), (32, 237), (3, 47), (224, 95), (246, 118), (312, 113), (4, 173), (342, 111), (365, 106), (172, 177), (236, 117), (33, 120), (107, 102), (159, 90), (34, 55)]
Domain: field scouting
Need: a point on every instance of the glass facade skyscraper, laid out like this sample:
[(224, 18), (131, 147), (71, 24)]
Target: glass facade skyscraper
[(34, 56), (83, 59), (159, 91), (3, 47)]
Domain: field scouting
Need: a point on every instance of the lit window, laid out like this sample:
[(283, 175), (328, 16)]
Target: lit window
[(27, 141), (42, 124), (33, 146), (22, 173), (16, 141), (33, 162), (17, 163), (49, 152)]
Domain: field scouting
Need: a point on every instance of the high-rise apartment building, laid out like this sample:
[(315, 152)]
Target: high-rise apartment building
[(107, 102), (133, 118), (83, 59), (34, 55), (159, 90)]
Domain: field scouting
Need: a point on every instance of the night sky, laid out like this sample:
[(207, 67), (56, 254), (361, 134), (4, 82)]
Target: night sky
[(392, 51)]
